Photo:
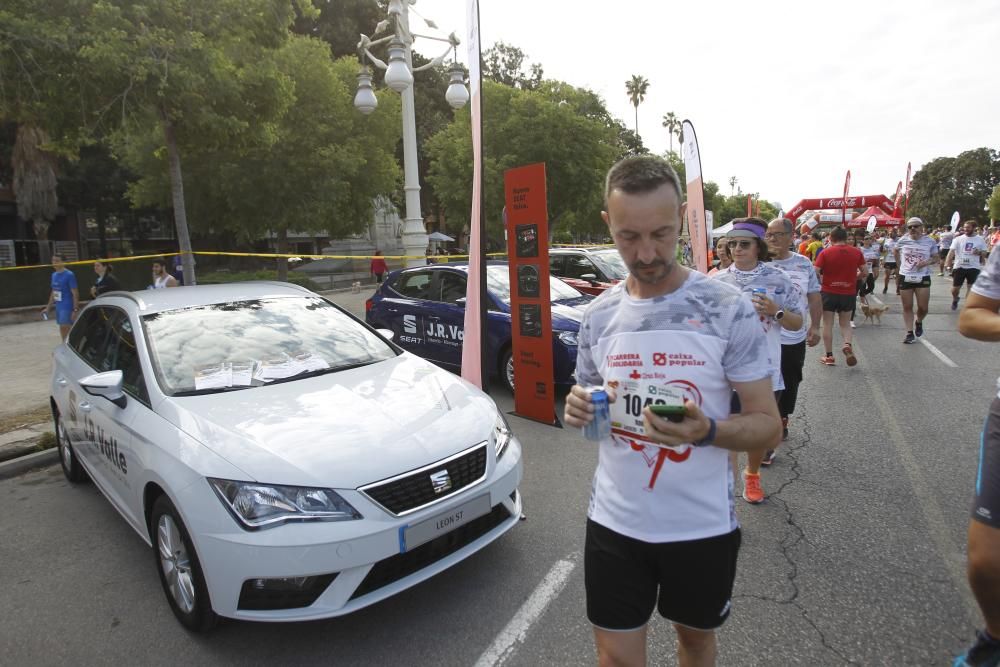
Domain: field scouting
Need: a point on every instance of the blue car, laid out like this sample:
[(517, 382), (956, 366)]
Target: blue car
[(424, 307)]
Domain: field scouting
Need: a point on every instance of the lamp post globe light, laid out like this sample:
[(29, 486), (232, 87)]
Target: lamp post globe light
[(399, 77)]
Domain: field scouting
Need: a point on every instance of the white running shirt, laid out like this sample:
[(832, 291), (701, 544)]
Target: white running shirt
[(967, 249), (697, 339), (988, 284), (803, 275), (913, 252)]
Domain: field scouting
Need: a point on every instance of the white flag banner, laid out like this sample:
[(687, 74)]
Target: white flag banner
[(872, 222), (697, 229), (955, 219)]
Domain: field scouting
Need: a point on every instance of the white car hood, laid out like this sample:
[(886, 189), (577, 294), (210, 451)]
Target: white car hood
[(341, 430)]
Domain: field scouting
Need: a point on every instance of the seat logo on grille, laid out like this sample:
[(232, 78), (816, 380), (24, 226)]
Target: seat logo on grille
[(441, 481)]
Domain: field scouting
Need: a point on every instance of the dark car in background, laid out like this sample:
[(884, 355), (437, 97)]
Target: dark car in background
[(590, 270), (424, 307)]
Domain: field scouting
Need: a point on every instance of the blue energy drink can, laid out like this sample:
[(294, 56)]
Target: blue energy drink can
[(758, 291), (600, 426)]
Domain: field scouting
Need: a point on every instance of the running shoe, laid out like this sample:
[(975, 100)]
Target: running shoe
[(768, 458), (752, 492), (827, 360), (918, 328), (910, 339), (954, 304), (784, 428), (884, 290), (985, 652), (853, 325), (849, 353)]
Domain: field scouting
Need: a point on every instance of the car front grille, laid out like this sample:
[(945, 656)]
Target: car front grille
[(402, 565), (414, 490)]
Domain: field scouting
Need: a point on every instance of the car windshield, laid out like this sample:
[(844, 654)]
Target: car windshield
[(611, 263), (241, 344), (498, 282)]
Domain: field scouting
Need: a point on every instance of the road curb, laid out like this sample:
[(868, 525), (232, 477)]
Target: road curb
[(22, 464)]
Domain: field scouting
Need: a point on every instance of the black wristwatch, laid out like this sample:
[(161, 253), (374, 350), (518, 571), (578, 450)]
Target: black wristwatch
[(778, 315)]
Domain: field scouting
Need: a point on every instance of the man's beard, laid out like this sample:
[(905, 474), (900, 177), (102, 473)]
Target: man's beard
[(666, 268)]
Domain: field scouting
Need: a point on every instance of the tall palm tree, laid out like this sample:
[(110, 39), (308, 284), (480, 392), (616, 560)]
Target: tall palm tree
[(636, 89), (732, 185), (35, 183), (673, 125)]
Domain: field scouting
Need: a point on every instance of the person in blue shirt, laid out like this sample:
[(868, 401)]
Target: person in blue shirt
[(64, 295)]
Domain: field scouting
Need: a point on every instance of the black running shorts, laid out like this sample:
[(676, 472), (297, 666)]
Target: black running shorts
[(986, 506), (959, 276), (924, 282), (837, 303), (689, 582)]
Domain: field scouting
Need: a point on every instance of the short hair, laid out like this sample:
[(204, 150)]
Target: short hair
[(817, 236), (971, 221), (55, 256), (838, 234), (786, 224), (639, 174), (159, 260)]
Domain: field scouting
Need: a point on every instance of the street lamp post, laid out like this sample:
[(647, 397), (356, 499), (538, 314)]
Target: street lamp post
[(399, 76)]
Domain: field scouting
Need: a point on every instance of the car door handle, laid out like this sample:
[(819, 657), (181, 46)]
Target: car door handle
[(85, 406), (61, 382)]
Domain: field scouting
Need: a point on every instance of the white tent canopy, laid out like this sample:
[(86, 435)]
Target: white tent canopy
[(438, 236), (722, 231)]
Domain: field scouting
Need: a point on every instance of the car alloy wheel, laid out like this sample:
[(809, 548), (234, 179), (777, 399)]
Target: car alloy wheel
[(508, 370), (67, 458), (179, 569)]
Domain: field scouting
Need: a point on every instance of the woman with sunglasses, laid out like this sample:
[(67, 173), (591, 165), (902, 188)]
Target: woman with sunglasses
[(776, 300)]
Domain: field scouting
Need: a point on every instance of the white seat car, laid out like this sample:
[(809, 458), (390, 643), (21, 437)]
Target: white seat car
[(285, 461)]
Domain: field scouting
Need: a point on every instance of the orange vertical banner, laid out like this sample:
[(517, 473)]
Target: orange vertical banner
[(530, 303), (697, 222)]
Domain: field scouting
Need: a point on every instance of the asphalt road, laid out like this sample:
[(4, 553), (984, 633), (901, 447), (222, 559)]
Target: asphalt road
[(857, 556)]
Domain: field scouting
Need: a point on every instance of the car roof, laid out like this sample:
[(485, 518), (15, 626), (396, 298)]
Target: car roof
[(555, 251), (174, 298)]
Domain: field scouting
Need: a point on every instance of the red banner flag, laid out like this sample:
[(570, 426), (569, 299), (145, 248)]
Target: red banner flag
[(847, 188), (906, 197), (749, 206)]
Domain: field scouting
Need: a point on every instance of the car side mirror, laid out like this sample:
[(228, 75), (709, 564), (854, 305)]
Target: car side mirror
[(385, 333), (591, 277), (107, 385), (460, 302)]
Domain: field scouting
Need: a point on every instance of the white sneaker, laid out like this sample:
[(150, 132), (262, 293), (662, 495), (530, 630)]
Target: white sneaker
[(853, 325)]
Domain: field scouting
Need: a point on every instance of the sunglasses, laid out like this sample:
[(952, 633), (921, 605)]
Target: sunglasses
[(742, 245), (770, 235)]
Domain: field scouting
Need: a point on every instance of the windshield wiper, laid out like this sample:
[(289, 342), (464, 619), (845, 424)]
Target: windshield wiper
[(213, 390), (320, 371)]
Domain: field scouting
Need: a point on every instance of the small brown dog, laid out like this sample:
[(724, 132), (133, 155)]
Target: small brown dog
[(873, 313)]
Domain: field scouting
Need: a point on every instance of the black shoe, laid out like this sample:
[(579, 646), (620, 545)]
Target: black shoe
[(884, 290), (919, 328), (985, 652), (910, 339), (954, 304)]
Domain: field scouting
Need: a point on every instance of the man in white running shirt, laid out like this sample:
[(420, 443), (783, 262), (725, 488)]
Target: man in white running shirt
[(964, 260), (662, 531)]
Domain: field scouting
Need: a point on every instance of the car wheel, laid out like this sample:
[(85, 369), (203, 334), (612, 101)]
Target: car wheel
[(507, 369), (180, 572), (67, 456)]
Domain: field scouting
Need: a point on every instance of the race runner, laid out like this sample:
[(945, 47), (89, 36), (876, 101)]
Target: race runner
[(633, 548), (891, 268), (840, 267), (915, 254), (967, 253)]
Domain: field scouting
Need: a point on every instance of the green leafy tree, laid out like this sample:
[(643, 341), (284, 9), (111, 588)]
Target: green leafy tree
[(948, 184), (340, 23), (96, 182), (636, 88), (505, 64), (673, 126), (524, 127), (320, 171), (994, 204), (196, 71)]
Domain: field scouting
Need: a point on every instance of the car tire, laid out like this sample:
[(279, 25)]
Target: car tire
[(507, 368), (71, 466), (180, 571)]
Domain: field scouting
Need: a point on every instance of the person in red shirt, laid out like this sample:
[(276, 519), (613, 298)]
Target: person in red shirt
[(378, 268), (840, 266)]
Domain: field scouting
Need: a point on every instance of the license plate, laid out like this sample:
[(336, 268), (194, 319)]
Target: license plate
[(425, 531)]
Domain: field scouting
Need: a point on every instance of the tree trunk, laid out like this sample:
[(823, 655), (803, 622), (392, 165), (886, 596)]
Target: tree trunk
[(177, 198), (41, 228), (282, 240), (102, 233)]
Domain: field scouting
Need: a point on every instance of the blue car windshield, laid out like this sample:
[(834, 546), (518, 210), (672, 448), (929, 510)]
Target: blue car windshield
[(498, 282), (241, 344)]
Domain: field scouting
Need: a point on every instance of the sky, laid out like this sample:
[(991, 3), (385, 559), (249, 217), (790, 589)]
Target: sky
[(786, 96)]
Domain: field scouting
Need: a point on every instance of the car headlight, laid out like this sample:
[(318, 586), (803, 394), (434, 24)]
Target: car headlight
[(258, 506), (502, 435), (568, 337)]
